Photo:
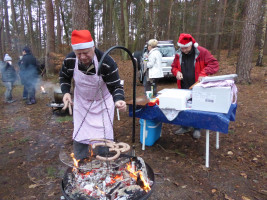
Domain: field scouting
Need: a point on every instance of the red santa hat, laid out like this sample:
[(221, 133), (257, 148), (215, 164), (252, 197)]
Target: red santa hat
[(186, 40), (81, 39)]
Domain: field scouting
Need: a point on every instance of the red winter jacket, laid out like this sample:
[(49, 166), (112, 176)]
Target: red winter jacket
[(205, 63)]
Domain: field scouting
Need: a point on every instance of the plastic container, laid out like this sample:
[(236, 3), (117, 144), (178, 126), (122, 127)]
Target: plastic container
[(152, 131)]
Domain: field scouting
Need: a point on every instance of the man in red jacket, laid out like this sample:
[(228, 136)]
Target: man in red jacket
[(191, 64)]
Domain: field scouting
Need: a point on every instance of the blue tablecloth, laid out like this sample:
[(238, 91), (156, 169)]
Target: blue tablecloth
[(194, 118)]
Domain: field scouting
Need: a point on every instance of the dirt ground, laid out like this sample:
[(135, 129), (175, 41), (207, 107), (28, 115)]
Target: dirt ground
[(32, 137)]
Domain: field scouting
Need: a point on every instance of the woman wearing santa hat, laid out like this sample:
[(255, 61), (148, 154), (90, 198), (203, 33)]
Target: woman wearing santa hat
[(191, 63), (94, 96)]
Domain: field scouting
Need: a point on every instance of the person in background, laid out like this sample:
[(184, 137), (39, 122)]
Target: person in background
[(153, 67), (9, 76), (25, 92), (191, 63), (29, 75), (95, 97)]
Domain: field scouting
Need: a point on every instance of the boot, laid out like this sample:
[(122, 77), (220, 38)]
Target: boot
[(182, 130), (31, 101)]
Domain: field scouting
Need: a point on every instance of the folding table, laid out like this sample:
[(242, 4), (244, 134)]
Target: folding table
[(218, 122)]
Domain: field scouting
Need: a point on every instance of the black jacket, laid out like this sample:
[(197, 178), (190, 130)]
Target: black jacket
[(28, 67), (109, 73)]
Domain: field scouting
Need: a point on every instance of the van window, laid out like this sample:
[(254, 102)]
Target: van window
[(167, 51)]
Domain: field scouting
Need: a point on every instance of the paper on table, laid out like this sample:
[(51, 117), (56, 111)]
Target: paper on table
[(218, 78)]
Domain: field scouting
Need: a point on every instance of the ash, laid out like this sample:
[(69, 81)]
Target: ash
[(123, 180)]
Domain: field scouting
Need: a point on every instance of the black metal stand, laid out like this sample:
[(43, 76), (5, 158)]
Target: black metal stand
[(134, 80)]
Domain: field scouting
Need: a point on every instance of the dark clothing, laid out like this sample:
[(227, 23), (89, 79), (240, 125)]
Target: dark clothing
[(188, 69), (29, 74), (28, 67), (9, 76), (109, 73), (9, 73)]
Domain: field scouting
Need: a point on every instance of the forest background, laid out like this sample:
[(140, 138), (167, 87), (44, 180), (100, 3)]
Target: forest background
[(46, 25)]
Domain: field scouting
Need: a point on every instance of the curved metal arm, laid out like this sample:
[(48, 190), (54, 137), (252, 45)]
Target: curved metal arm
[(134, 80)]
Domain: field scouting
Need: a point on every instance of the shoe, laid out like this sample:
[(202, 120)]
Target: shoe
[(11, 101), (31, 101), (24, 98), (182, 131), (196, 134)]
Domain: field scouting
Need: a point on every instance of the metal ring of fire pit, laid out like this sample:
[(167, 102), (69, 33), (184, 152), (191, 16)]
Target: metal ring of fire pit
[(150, 174)]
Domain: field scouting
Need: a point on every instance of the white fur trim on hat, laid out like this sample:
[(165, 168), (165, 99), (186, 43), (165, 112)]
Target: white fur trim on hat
[(184, 45), (85, 45)]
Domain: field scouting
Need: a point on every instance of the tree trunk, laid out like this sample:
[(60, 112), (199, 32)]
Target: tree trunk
[(15, 25), (91, 14), (1, 31), (7, 28), (262, 39), (22, 25), (206, 23), (218, 27), (150, 22), (58, 40), (39, 32), (233, 29), (126, 28), (184, 16), (64, 25), (169, 19), (50, 40), (140, 25), (222, 30), (116, 22), (248, 38), (199, 20), (80, 15), (30, 25)]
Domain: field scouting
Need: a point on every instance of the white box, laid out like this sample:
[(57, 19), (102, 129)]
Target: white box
[(174, 98), (213, 99)]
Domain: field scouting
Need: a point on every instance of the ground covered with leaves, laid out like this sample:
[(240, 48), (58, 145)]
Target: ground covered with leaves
[(32, 137)]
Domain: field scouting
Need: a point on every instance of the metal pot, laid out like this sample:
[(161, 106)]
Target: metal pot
[(58, 97)]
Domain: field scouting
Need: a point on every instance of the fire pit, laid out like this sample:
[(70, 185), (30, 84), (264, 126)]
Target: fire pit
[(127, 177)]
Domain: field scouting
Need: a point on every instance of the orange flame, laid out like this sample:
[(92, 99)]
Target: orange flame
[(74, 160), (134, 175)]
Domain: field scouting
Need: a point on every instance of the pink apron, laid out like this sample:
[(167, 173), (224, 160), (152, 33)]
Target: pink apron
[(98, 122)]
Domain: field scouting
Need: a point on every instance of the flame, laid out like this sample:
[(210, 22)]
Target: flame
[(74, 160), (102, 192), (134, 175), (43, 90)]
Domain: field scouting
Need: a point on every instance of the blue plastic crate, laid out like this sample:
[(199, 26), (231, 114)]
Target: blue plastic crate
[(153, 131)]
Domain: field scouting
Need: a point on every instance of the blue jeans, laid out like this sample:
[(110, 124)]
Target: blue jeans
[(8, 92), (25, 92)]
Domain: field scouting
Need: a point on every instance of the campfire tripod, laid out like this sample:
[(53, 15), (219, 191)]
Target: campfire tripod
[(134, 80)]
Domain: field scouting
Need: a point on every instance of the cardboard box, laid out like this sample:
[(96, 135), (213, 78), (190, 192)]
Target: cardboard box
[(174, 99), (213, 99)]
